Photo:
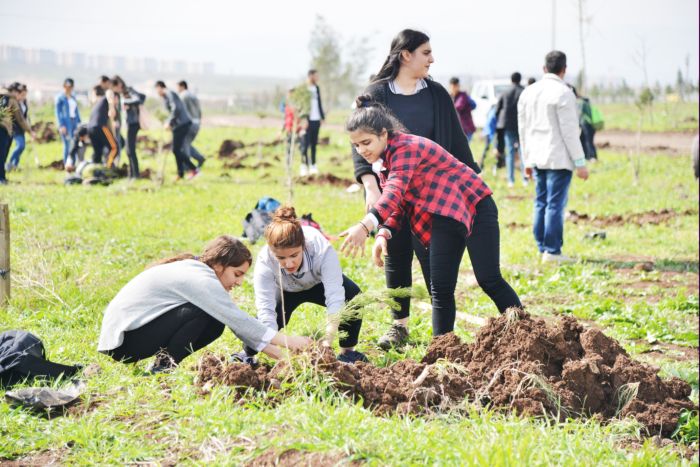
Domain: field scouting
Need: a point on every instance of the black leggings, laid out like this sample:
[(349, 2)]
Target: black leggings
[(348, 330), (182, 156), (440, 264), (131, 133), (311, 141), (179, 332)]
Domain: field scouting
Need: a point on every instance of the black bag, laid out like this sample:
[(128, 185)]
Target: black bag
[(22, 356)]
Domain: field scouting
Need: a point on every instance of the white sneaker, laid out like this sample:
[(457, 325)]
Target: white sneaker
[(313, 170), (494, 170), (552, 258), (304, 170), (510, 184)]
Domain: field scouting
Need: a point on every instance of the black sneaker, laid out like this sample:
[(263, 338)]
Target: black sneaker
[(242, 357), (396, 337), (352, 357), (163, 363)]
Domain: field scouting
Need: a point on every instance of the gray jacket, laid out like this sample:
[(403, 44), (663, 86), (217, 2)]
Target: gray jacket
[(320, 265), (178, 115), (192, 105), (161, 288), (507, 108)]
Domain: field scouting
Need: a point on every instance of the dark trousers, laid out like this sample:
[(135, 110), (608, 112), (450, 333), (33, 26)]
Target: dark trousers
[(131, 133), (311, 142), (448, 240), (398, 265), (182, 156), (179, 332), (101, 138), (5, 141), (587, 138), (348, 330), (189, 140)]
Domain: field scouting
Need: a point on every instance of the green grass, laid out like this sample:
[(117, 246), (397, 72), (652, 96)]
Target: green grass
[(665, 116), (74, 247)]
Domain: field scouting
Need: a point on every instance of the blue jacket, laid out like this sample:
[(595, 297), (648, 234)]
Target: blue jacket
[(491, 121), (63, 113)]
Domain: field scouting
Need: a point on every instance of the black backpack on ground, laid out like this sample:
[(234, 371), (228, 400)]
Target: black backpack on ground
[(22, 356)]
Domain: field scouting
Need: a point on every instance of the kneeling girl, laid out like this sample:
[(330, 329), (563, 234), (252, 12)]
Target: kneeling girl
[(298, 265), (182, 304)]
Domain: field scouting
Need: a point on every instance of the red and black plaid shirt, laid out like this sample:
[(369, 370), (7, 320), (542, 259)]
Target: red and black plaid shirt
[(421, 179)]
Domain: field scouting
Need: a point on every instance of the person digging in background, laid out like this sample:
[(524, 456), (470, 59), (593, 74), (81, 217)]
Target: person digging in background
[(182, 304), (194, 110), (133, 101), (446, 204), (10, 106), (101, 135), (179, 123), (309, 270)]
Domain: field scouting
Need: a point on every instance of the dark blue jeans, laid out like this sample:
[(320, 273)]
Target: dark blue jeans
[(551, 195), (512, 143), (19, 140)]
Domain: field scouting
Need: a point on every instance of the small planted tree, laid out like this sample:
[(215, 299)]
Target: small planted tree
[(161, 115), (644, 102)]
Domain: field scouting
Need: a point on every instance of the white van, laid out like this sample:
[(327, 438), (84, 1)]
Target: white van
[(486, 93)]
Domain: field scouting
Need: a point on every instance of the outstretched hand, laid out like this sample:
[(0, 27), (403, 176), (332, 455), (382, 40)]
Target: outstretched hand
[(354, 241)]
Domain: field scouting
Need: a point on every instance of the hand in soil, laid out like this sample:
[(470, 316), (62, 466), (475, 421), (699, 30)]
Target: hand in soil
[(355, 241)]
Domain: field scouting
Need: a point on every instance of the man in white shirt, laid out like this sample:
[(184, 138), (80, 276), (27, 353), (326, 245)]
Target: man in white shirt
[(316, 116), (550, 144)]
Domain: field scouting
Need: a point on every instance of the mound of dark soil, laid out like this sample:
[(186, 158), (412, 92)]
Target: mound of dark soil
[(641, 218), (45, 132), (228, 148), (293, 457), (324, 179), (516, 363)]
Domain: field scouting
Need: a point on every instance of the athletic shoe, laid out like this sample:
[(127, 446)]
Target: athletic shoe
[(304, 170), (352, 356), (163, 363), (193, 174), (242, 357), (396, 337), (552, 258), (313, 170)]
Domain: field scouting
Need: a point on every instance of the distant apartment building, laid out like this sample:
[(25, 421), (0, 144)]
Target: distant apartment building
[(10, 54)]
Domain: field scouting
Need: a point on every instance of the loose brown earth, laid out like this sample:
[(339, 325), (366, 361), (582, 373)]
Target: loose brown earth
[(324, 179), (292, 457), (641, 218), (516, 363)]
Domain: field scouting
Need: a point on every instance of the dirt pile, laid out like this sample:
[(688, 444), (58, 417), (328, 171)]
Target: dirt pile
[(641, 218), (228, 148), (45, 132), (293, 457), (516, 363), (324, 179)]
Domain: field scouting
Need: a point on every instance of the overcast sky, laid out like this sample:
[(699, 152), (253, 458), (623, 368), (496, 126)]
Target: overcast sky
[(481, 38)]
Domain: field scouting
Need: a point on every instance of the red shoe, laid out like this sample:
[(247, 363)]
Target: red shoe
[(193, 173)]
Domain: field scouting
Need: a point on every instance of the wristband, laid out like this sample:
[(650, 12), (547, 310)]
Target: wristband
[(364, 227), (383, 235)]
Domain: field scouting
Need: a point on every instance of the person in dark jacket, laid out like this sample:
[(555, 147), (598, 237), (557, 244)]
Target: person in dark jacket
[(194, 109), (426, 109), (464, 106), (133, 100), (101, 135), (507, 111), (316, 116), (179, 122)]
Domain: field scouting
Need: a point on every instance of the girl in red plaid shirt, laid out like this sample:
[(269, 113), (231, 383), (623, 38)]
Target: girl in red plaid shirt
[(447, 205)]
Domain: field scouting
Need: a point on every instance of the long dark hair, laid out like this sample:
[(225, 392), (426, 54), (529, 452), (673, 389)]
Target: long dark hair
[(373, 117), (408, 39)]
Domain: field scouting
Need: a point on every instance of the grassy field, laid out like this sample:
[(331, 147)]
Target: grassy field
[(73, 247), (664, 116)]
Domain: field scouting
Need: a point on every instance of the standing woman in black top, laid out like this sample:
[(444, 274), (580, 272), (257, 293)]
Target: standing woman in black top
[(426, 109)]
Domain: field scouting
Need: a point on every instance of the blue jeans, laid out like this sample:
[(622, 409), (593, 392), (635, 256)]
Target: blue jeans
[(512, 143), (19, 149), (551, 195), (68, 138)]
